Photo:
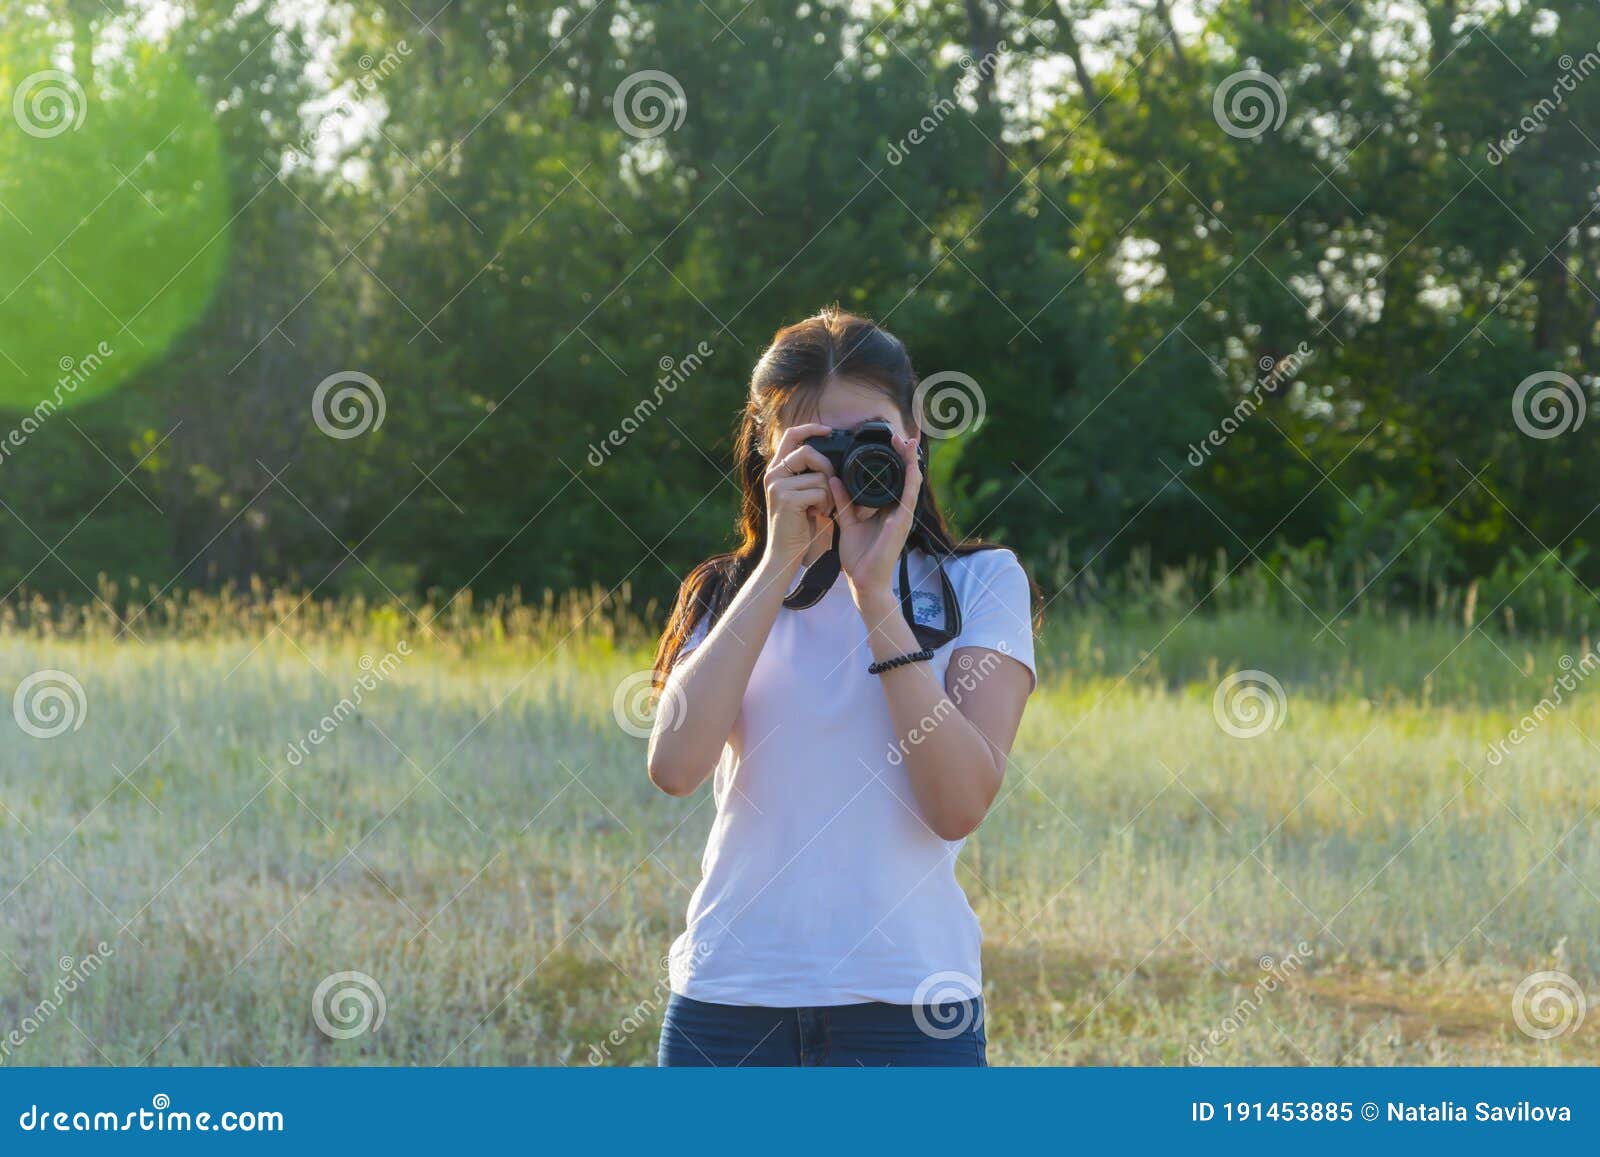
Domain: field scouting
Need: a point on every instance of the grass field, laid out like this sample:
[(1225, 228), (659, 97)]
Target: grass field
[(479, 839)]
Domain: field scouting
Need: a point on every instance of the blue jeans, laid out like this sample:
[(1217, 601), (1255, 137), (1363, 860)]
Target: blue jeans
[(697, 1034)]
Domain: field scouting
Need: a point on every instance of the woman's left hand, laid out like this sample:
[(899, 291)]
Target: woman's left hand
[(871, 538)]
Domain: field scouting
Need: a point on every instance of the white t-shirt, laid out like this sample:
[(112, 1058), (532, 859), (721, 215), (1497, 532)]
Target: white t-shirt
[(821, 883)]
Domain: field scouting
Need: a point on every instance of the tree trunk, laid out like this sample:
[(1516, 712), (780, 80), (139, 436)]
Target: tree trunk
[(1164, 14), (1069, 43)]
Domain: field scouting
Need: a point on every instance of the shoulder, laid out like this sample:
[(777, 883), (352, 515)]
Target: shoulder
[(990, 559), (995, 571), (992, 584)]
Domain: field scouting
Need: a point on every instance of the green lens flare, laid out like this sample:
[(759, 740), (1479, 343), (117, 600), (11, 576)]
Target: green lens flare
[(113, 224)]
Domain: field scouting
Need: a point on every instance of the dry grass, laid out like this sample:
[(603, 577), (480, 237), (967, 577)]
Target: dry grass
[(480, 838)]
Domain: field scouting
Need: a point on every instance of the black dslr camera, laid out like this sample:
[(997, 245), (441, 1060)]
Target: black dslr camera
[(866, 462)]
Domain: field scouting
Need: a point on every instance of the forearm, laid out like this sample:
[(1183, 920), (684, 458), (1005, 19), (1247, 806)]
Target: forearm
[(955, 772), (703, 694)]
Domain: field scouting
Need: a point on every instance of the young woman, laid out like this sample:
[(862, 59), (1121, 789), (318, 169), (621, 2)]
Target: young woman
[(855, 680)]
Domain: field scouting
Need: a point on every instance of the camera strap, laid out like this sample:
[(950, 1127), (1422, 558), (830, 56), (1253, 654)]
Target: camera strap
[(820, 576), (930, 637)]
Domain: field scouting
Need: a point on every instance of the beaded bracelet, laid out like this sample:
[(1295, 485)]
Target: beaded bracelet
[(879, 668)]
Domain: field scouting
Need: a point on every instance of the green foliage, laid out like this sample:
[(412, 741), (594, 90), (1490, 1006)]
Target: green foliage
[(1377, 539), (1049, 206), (1539, 592)]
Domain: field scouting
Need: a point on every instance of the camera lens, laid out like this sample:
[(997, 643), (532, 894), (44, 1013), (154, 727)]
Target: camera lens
[(874, 476)]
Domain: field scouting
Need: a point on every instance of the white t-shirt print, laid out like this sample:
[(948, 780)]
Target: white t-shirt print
[(821, 883)]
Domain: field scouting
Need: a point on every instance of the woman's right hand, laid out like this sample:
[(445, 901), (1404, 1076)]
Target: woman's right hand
[(709, 688), (796, 485)]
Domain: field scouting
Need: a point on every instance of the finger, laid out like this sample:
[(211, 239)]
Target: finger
[(813, 502), (913, 465), (801, 488), (844, 509), (897, 521), (907, 449), (806, 459), (795, 436), (865, 513), (777, 477)]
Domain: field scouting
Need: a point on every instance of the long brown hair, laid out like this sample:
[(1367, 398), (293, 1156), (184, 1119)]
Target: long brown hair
[(802, 359)]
